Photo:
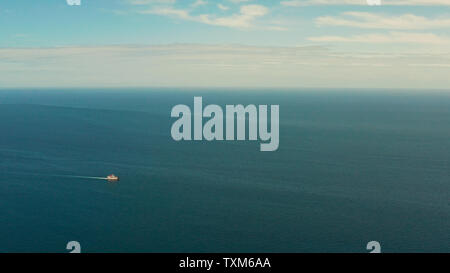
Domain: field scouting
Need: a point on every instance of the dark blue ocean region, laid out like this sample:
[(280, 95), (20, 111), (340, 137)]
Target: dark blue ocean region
[(352, 167)]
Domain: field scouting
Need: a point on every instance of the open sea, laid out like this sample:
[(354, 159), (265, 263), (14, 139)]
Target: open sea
[(352, 167)]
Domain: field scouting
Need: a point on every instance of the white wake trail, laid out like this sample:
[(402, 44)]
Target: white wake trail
[(57, 175), (84, 177)]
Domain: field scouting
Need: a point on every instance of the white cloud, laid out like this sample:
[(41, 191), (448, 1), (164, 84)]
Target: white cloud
[(239, 1), (392, 37), (219, 66), (222, 7), (299, 3), (243, 19), (380, 21), (180, 13), (146, 2), (198, 3)]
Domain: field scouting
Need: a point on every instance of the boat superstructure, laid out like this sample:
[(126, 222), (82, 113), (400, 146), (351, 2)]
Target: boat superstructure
[(112, 178)]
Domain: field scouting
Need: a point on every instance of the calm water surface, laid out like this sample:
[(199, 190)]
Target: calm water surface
[(352, 167)]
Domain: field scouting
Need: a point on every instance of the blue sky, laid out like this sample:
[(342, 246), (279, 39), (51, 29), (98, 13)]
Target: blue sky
[(292, 43)]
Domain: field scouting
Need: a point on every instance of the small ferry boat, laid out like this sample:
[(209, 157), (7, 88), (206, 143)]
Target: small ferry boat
[(112, 177)]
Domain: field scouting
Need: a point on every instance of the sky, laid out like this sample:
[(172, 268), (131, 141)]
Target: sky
[(225, 43)]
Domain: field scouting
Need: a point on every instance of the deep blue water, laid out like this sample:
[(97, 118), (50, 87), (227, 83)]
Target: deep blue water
[(352, 167)]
